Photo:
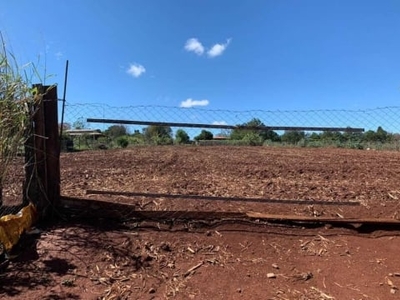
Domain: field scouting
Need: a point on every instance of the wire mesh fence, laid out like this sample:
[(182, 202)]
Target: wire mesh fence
[(370, 119), (177, 180), (375, 123)]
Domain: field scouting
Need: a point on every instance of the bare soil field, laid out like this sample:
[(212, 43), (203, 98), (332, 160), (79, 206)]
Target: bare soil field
[(221, 258)]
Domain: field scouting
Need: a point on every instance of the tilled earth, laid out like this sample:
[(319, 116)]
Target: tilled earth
[(219, 259)]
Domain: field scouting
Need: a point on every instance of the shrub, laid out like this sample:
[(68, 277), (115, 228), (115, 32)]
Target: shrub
[(123, 142), (181, 137), (253, 139)]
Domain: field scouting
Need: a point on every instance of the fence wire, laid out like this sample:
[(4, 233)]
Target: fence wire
[(195, 179), (388, 118)]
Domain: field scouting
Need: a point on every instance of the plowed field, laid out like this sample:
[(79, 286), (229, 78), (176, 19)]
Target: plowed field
[(220, 259)]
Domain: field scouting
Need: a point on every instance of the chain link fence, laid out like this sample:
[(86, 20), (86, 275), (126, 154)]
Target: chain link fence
[(386, 117), (179, 180), (374, 122)]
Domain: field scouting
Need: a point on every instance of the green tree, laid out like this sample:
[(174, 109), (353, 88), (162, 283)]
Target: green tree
[(239, 133), (383, 136), (204, 135), (159, 135), (369, 136), (333, 137), (271, 135), (253, 124), (380, 136), (314, 137), (353, 137), (181, 137), (293, 136), (115, 131)]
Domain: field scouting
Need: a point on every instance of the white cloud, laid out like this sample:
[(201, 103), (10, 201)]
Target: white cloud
[(190, 103), (194, 45), (219, 123), (58, 55), (136, 70), (218, 49)]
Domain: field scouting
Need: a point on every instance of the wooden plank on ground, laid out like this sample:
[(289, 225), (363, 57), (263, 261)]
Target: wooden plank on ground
[(218, 198), (294, 218)]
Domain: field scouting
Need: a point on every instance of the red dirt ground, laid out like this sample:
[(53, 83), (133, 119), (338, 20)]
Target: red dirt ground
[(97, 259)]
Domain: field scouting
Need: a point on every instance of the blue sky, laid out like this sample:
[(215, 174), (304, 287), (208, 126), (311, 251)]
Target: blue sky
[(213, 54)]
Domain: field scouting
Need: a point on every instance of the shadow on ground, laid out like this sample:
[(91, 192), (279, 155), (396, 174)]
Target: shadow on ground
[(27, 271)]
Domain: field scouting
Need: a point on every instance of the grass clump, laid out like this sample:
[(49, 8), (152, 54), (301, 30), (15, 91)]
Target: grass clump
[(16, 103)]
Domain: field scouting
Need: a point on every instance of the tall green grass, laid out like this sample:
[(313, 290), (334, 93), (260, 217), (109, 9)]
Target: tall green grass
[(16, 102)]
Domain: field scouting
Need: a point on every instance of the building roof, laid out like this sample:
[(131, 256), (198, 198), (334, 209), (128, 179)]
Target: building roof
[(80, 132)]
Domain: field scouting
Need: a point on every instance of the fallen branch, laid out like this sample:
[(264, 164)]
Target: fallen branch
[(190, 271)]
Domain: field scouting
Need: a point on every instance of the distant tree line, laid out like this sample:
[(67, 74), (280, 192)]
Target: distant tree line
[(253, 135), (294, 137)]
